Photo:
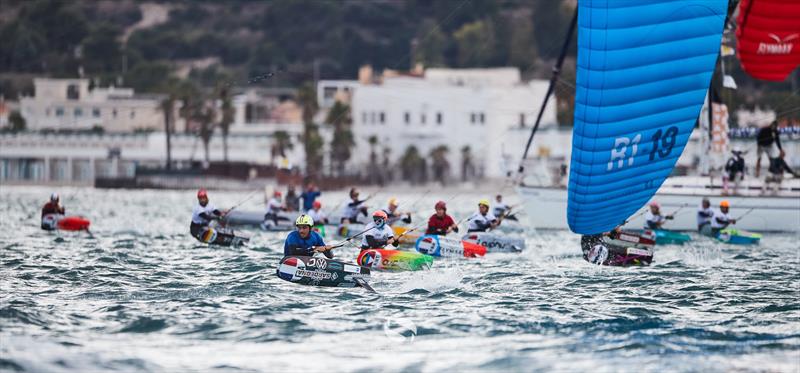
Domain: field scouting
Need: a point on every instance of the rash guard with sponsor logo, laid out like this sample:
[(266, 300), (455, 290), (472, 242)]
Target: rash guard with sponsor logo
[(296, 245)]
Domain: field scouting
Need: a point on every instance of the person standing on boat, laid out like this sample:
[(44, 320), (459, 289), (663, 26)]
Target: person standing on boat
[(292, 199), (721, 218), (274, 207), (394, 215), (734, 171), (310, 196), (769, 143), (202, 215), (653, 219), (704, 215), (316, 213), (501, 209), (52, 211), (378, 233), (304, 241), (440, 223), (483, 220), (353, 208)]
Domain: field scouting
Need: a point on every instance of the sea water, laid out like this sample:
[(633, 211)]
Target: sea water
[(140, 294)]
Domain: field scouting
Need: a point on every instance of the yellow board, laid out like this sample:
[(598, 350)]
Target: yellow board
[(409, 238)]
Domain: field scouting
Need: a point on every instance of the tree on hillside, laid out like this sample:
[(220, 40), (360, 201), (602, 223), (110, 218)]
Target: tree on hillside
[(476, 43), (430, 44), (343, 142)]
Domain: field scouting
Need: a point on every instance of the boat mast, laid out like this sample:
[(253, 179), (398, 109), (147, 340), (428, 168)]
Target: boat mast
[(550, 88)]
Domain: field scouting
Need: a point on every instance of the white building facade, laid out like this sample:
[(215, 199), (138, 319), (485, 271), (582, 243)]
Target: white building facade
[(489, 110), (69, 104)]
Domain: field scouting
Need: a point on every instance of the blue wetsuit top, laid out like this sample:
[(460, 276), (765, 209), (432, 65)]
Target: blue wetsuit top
[(296, 245)]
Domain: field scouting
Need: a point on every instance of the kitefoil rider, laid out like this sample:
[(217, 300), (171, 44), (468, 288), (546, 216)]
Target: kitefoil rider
[(482, 220), (704, 215), (394, 215), (202, 216), (440, 223), (354, 208), (653, 219), (52, 211), (304, 241), (378, 233), (721, 218)]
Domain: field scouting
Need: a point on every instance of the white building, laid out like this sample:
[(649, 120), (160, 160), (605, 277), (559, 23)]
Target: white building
[(69, 104), (489, 110), (329, 91)]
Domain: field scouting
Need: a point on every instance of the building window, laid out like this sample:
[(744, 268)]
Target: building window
[(78, 112), (59, 111), (47, 112), (407, 117), (328, 92), (133, 114), (522, 120), (73, 92), (483, 118), (472, 118), (96, 113), (364, 117), (422, 118), (382, 116), (439, 118), (114, 112)]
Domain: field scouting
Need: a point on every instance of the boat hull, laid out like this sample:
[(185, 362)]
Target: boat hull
[(547, 209)]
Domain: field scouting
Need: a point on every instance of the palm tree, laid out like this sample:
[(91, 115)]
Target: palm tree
[(467, 166), (168, 109), (411, 164), (373, 158), (440, 165), (343, 142), (205, 119), (312, 141), (226, 120), (281, 143), (386, 171)]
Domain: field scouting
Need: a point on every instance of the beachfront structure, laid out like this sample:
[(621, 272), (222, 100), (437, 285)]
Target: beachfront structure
[(72, 105), (79, 158), (489, 110)]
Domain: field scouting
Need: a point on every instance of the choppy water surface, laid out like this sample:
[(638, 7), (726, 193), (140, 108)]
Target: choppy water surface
[(143, 295)]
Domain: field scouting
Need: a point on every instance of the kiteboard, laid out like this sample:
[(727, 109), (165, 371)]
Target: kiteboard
[(496, 243), (394, 260), (311, 271), (627, 248), (667, 237), (65, 223), (735, 236), (443, 246), (222, 237)]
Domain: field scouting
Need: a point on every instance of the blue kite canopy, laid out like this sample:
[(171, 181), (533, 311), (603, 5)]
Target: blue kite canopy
[(643, 70)]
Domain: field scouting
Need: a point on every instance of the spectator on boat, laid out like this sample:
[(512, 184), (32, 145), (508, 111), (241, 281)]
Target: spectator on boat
[(353, 208), (378, 233), (309, 196), (316, 213), (704, 215), (734, 171), (395, 215), (292, 199), (440, 223), (304, 241), (272, 215), (202, 216), (653, 218), (482, 220), (721, 218), (769, 143), (52, 211), (501, 209)]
